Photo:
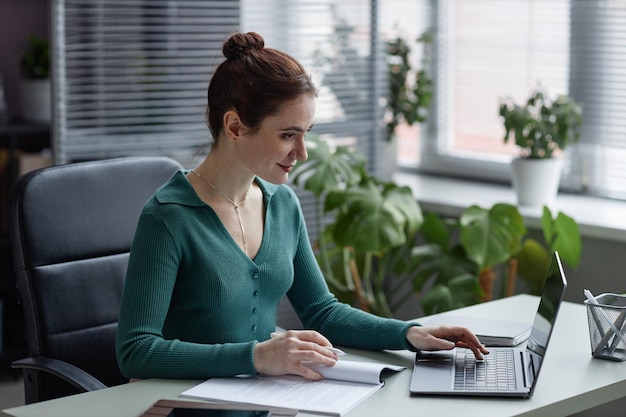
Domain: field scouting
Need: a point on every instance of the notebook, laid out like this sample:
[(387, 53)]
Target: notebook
[(506, 371)]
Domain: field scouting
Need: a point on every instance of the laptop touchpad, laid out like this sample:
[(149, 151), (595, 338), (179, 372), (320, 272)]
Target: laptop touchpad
[(436, 356), (428, 370)]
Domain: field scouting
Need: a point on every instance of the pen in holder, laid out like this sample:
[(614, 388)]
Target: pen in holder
[(606, 316)]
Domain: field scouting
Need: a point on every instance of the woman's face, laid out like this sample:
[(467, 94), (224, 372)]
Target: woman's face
[(270, 151)]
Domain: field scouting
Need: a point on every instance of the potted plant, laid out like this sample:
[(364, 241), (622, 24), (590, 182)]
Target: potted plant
[(410, 91), (35, 89), (540, 128), (409, 94)]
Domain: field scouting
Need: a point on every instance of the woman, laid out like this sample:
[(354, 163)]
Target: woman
[(217, 247)]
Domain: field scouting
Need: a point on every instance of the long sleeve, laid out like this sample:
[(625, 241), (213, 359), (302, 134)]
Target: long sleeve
[(342, 324), (194, 304)]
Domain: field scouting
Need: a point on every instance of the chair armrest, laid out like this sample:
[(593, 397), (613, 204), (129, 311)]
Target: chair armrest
[(61, 369)]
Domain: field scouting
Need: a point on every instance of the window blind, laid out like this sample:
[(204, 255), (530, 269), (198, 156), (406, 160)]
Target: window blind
[(131, 76), (336, 41), (598, 81)]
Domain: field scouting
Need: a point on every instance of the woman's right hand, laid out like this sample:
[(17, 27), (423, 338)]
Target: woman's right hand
[(284, 353)]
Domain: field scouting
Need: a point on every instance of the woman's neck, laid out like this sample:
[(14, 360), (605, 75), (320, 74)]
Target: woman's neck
[(225, 177)]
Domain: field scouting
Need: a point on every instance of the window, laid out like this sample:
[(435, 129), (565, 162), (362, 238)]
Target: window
[(131, 76), (487, 49)]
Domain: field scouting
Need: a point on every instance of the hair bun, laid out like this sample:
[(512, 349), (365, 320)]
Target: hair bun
[(241, 44)]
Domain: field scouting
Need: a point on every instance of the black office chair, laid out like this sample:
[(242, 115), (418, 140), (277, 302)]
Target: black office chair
[(71, 228)]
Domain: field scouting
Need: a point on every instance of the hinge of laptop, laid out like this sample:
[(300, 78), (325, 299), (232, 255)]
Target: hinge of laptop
[(527, 368)]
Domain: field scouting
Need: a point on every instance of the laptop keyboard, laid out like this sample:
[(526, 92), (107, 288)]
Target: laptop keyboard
[(495, 373)]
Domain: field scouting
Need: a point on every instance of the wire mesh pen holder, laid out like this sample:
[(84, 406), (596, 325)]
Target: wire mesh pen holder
[(607, 326)]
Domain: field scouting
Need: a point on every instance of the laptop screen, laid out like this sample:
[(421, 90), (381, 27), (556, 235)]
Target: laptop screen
[(551, 298)]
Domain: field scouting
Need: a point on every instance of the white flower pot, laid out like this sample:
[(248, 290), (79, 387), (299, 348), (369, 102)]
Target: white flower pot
[(35, 104), (536, 181), (387, 159)]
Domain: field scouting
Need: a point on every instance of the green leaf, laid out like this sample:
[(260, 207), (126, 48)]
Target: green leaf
[(547, 225), (567, 239), (438, 299), (328, 167), (533, 262), (466, 290), (434, 230), (490, 237), (563, 235), (461, 291), (441, 267), (373, 217)]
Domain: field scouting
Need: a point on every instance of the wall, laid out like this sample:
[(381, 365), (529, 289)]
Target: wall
[(18, 19), (602, 269)]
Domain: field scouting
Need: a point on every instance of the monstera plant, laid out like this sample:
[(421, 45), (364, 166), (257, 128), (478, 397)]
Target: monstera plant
[(372, 223), (462, 259), (377, 249)]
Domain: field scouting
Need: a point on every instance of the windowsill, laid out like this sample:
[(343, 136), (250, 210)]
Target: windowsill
[(596, 217)]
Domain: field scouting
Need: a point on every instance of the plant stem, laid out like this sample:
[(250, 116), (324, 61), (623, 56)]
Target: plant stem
[(512, 273), (364, 303), (367, 276), (486, 278), (379, 289), (328, 272)]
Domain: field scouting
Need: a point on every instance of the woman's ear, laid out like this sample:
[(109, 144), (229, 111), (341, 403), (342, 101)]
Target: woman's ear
[(232, 125)]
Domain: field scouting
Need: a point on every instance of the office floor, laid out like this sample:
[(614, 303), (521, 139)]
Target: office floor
[(11, 391)]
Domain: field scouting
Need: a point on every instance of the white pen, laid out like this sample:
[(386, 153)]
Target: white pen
[(593, 301), (338, 351)]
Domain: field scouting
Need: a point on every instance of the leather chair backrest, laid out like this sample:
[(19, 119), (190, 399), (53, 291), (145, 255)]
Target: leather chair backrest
[(71, 231)]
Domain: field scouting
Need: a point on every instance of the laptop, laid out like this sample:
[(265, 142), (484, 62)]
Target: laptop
[(506, 371)]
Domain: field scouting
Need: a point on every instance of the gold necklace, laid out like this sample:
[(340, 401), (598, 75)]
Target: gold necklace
[(235, 205)]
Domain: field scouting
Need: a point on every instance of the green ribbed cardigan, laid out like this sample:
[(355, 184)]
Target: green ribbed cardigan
[(194, 305)]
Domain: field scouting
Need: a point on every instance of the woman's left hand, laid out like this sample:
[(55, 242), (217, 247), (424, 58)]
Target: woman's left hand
[(445, 338)]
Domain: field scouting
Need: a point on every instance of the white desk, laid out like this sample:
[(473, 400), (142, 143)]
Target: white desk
[(570, 381)]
